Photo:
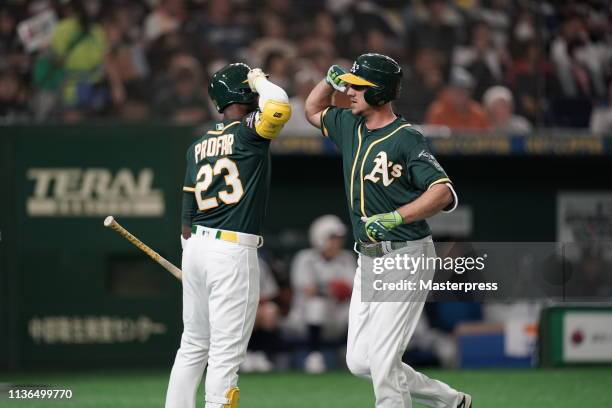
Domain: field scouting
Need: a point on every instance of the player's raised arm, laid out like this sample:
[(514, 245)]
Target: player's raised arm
[(320, 98), (274, 108)]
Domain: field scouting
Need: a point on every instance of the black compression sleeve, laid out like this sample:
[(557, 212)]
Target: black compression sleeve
[(189, 208)]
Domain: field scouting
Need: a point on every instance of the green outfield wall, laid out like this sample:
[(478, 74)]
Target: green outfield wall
[(75, 293)]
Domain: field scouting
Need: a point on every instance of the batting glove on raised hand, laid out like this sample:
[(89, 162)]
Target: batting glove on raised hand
[(332, 78), (377, 226), (253, 75)]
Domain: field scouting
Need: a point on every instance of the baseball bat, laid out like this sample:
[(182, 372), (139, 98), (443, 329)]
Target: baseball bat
[(110, 222)]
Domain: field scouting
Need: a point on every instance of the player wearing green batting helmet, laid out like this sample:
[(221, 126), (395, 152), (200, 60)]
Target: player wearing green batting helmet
[(380, 74), (225, 198), (393, 183), (229, 85)]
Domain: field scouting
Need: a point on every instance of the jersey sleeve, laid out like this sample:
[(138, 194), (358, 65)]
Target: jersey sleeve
[(334, 124), (190, 171), (425, 171), (246, 131), (189, 206)]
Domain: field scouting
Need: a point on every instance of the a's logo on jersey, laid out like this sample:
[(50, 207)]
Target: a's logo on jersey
[(381, 168), (430, 158)]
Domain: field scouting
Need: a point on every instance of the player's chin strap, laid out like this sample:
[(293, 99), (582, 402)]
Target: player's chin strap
[(229, 401)]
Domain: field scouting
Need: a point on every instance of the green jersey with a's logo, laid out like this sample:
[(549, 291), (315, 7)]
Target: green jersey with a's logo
[(227, 179), (383, 169)]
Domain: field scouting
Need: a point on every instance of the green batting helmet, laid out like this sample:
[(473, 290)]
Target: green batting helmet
[(229, 85), (381, 74)]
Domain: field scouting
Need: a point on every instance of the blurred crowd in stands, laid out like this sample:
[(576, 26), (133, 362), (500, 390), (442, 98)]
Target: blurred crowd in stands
[(490, 65)]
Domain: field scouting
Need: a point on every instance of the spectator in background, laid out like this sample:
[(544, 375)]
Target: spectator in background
[(437, 27), (184, 101), (167, 17), (363, 22), (77, 67), (499, 105), (12, 54), (532, 80), (13, 97), (279, 67), (455, 107), (601, 119), (322, 278), (524, 29), (572, 106), (560, 93), (14, 66), (222, 32), (127, 54), (274, 39), (481, 59), (379, 42), (422, 82), (305, 79), (498, 15), (8, 39), (293, 12), (160, 53), (323, 33), (573, 109)]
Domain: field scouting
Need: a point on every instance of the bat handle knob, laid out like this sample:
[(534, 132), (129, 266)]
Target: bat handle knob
[(108, 221)]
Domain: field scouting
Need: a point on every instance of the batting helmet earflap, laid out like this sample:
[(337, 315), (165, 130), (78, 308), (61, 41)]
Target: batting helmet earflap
[(381, 74), (229, 85)]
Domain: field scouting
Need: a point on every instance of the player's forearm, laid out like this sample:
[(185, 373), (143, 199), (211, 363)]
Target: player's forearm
[(428, 204), (319, 99), (269, 91), (188, 211), (274, 108)]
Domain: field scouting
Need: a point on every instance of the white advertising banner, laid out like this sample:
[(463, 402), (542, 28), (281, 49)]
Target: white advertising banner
[(587, 337)]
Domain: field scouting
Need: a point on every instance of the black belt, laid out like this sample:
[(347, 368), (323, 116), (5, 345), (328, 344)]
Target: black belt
[(378, 249)]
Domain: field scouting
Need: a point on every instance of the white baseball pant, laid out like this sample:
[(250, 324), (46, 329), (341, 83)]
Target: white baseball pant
[(220, 297), (378, 335)]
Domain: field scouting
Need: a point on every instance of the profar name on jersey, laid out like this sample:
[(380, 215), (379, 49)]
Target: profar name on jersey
[(214, 146)]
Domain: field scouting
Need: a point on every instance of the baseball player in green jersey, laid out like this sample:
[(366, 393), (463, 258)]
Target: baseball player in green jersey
[(224, 203), (392, 184)]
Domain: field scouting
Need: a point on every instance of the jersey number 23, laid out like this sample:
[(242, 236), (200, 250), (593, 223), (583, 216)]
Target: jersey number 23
[(205, 178)]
